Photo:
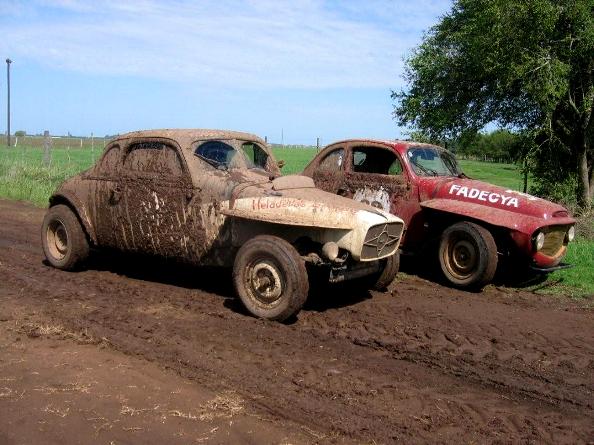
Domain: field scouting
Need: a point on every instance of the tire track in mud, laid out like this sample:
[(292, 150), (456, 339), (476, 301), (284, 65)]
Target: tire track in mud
[(539, 369), (426, 364)]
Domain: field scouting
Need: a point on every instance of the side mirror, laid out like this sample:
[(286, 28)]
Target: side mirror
[(281, 163)]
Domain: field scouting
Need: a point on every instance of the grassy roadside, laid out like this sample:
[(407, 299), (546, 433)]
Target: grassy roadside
[(23, 177), (579, 280)]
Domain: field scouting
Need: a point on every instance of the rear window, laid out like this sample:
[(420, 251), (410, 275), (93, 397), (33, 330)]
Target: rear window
[(154, 157), (332, 162)]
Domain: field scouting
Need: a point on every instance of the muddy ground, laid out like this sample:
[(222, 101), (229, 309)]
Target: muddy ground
[(135, 352)]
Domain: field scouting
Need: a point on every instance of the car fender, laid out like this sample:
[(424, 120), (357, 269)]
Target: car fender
[(526, 224), (335, 219), (70, 199)]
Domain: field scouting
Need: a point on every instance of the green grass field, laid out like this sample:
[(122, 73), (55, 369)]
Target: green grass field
[(23, 177), (579, 280)]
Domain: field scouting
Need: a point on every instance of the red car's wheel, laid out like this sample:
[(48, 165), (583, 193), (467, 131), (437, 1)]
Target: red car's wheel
[(468, 255)]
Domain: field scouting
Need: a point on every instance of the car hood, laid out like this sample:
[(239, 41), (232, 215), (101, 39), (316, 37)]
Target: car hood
[(490, 196), (294, 200)]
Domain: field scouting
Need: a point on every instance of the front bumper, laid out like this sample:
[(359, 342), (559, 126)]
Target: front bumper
[(353, 271), (544, 270)]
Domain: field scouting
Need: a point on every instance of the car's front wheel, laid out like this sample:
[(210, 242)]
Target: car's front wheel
[(64, 242), (468, 255), (270, 278), (387, 273)]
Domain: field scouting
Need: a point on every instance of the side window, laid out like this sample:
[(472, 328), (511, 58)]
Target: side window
[(154, 157), (255, 154), (395, 168), (376, 160), (332, 162), (217, 153), (111, 163)]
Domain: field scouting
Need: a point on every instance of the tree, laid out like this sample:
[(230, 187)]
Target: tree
[(527, 66), (501, 144)]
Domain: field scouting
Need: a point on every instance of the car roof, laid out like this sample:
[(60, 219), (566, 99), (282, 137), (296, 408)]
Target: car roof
[(390, 142), (186, 136)]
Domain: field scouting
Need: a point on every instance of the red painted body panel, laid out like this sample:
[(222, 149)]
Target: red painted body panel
[(505, 218), (520, 214)]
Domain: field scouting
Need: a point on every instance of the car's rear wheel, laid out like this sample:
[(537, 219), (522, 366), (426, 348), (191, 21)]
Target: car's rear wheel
[(64, 242), (468, 255), (270, 278)]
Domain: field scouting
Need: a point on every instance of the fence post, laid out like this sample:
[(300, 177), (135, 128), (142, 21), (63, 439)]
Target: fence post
[(92, 147), (47, 155), (318, 144)]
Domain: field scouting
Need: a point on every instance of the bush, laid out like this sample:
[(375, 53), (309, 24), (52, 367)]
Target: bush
[(585, 226)]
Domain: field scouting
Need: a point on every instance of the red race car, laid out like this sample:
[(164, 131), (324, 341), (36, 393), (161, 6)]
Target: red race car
[(476, 225)]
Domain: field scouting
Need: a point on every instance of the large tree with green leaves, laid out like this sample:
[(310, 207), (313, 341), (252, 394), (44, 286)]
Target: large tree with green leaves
[(527, 65)]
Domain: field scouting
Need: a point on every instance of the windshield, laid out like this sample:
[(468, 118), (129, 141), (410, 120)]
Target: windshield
[(232, 154), (433, 161)]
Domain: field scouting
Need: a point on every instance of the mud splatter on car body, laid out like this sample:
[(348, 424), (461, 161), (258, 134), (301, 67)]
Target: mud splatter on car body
[(423, 185), (200, 195)]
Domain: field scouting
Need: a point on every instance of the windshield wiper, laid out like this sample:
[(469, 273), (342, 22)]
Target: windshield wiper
[(215, 164), (427, 170)]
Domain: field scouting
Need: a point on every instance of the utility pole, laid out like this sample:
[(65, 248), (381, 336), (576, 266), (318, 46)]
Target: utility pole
[(8, 62)]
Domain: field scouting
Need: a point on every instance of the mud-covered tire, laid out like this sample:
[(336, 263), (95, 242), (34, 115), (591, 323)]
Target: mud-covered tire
[(64, 242), (270, 278), (387, 274), (468, 255)]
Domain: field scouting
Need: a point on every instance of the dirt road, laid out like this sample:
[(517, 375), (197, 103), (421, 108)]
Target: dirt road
[(423, 363)]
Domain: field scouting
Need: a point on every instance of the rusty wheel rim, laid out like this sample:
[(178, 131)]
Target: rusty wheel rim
[(264, 281), (57, 239), (461, 258)]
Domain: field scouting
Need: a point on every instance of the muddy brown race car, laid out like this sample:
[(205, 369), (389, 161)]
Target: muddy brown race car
[(472, 224), (216, 198)]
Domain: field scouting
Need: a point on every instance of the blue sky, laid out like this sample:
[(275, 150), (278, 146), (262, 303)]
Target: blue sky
[(303, 68)]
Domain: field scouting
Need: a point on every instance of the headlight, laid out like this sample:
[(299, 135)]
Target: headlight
[(539, 241), (570, 236), (330, 250)]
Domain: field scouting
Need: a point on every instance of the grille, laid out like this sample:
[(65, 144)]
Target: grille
[(554, 241), (381, 240)]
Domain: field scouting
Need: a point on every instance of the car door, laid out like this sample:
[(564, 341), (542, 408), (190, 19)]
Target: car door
[(328, 172), (107, 209), (157, 191), (375, 176)]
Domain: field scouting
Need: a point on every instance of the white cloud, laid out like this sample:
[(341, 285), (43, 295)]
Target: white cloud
[(253, 44)]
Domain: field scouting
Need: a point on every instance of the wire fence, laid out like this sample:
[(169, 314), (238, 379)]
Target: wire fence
[(69, 150), (66, 142), (486, 158)]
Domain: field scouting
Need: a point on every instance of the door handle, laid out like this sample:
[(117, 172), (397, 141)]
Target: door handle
[(115, 194), (344, 192)]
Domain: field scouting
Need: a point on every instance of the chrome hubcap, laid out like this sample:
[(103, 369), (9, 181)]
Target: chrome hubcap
[(57, 239), (265, 282)]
